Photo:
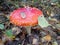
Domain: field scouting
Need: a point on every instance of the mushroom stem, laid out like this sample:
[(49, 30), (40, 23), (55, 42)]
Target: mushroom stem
[(28, 29)]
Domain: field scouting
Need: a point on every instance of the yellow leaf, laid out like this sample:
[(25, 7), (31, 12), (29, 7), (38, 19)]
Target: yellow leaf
[(47, 38)]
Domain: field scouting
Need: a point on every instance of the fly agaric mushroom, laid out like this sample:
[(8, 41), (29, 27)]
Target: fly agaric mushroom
[(26, 16)]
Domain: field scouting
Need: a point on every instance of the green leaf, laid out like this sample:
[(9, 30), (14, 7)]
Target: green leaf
[(43, 22), (54, 43), (1, 26), (57, 26), (35, 0), (53, 0), (9, 33)]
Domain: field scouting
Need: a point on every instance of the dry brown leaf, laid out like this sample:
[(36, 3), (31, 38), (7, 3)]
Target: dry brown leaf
[(47, 38)]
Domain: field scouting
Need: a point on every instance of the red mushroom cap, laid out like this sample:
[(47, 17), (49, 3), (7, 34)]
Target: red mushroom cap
[(25, 16)]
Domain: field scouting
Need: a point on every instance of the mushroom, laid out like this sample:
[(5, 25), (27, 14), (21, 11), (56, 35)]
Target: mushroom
[(26, 16)]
